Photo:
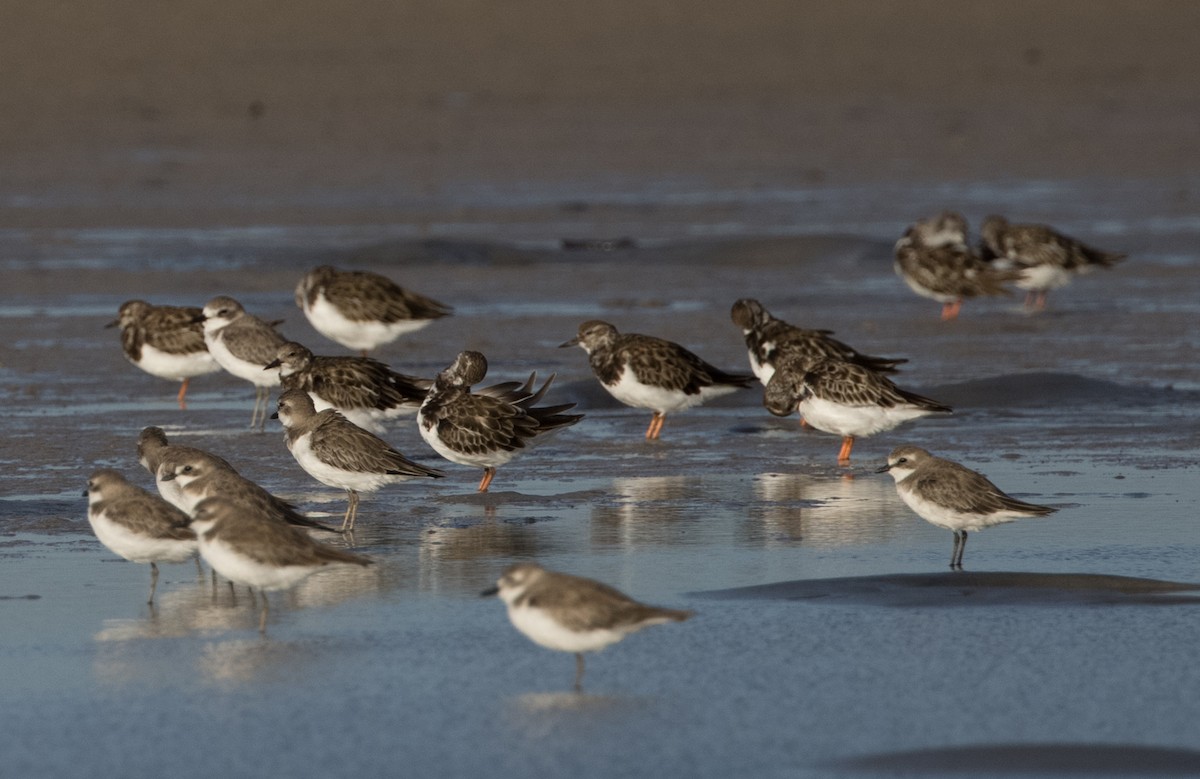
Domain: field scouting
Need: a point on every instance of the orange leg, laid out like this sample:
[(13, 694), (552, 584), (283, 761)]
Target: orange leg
[(182, 392), (488, 473), (844, 453), (950, 310), (656, 425)]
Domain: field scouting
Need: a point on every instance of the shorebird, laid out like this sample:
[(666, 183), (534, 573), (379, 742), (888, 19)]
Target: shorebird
[(486, 429), (1045, 258), (136, 525), (935, 261), (573, 614), (363, 310), (647, 372), (845, 399), (335, 451), (949, 495), (769, 339), (165, 341), (153, 448), (251, 547), (200, 475), (363, 390), (243, 345)]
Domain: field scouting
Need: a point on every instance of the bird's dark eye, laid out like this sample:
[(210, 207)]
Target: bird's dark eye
[(187, 469), (902, 460)]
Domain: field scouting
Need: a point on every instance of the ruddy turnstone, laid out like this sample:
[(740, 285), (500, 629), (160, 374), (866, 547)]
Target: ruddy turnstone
[(243, 345), (1045, 258), (949, 495), (363, 390), (138, 526), (573, 614), (153, 448), (335, 451), (647, 372), (768, 339), (845, 399), (363, 310), (201, 475), (165, 341), (487, 428), (935, 261), (249, 546)]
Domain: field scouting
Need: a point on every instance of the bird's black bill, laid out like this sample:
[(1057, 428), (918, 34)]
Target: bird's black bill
[(884, 469), (489, 592)]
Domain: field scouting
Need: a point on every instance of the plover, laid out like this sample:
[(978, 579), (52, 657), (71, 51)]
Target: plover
[(573, 614), (647, 372), (1045, 258), (165, 341), (251, 547), (363, 310), (136, 525), (935, 261), (845, 399), (769, 339), (486, 429), (365, 391), (952, 496), (153, 448), (335, 451), (243, 344), (200, 475)]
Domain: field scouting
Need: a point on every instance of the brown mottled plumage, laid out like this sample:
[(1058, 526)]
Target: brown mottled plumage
[(935, 261), (165, 341), (364, 390), (1044, 258), (769, 339), (490, 427), (643, 371)]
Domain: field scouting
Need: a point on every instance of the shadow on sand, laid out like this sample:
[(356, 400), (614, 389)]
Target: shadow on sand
[(962, 588), (1028, 759)]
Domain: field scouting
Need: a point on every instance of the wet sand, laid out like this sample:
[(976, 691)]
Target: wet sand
[(774, 153)]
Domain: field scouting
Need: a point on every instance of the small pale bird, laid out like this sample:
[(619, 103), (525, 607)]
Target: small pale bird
[(363, 310), (952, 496), (153, 448), (251, 547), (165, 341), (845, 399), (335, 451), (243, 345), (139, 526), (934, 259), (1044, 258), (643, 371), (573, 614), (491, 426)]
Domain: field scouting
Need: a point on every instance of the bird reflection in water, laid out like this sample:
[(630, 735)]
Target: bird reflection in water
[(648, 510), (456, 559), (796, 508)]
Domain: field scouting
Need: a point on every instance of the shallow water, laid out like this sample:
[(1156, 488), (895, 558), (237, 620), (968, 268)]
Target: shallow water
[(1090, 407)]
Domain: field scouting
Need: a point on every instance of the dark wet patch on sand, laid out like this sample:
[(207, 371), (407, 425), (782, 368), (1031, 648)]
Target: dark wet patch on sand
[(1019, 759), (964, 588)]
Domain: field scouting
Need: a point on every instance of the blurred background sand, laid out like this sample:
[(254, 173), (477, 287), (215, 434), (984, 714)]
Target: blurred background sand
[(194, 112)]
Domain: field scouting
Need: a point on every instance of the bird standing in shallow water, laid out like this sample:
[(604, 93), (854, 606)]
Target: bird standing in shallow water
[(934, 259), (489, 427), (243, 345), (165, 341), (573, 614), (845, 399), (952, 496), (140, 527), (250, 547), (1044, 258), (335, 451), (647, 372)]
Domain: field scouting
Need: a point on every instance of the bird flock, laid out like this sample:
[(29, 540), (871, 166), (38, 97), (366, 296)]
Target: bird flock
[(334, 410)]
